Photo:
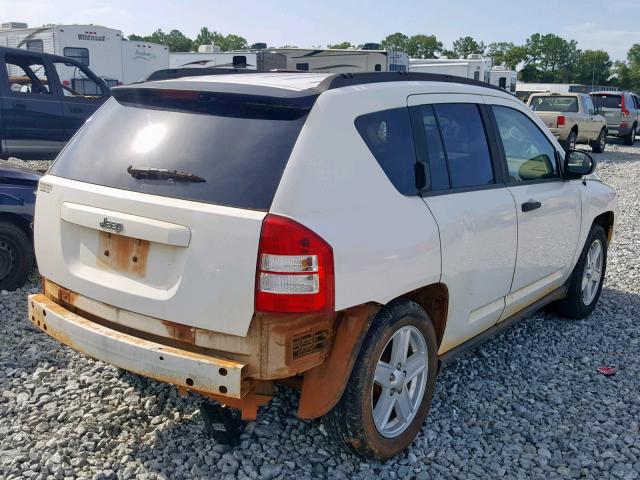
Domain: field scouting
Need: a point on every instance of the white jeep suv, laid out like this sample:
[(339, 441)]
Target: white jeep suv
[(342, 234)]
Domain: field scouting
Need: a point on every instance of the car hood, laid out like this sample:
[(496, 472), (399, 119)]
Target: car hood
[(10, 171)]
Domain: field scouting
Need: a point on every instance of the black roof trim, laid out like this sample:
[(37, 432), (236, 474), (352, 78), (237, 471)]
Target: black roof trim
[(349, 79), (172, 73)]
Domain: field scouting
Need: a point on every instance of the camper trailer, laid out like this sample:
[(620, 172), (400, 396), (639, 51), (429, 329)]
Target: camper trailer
[(343, 60), (504, 78), (141, 58), (208, 57), (474, 67), (100, 48)]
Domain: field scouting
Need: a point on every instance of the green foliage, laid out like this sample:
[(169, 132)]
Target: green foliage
[(592, 66), (423, 46), (395, 41), (465, 46), (550, 58), (507, 54), (628, 73), (341, 45), (178, 42)]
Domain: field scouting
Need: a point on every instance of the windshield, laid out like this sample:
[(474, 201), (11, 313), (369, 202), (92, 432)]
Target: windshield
[(237, 145), (606, 101), (554, 104)]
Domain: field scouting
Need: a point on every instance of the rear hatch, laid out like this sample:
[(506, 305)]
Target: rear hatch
[(156, 205), (610, 106)]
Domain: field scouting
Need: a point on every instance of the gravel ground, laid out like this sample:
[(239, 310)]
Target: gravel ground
[(528, 404)]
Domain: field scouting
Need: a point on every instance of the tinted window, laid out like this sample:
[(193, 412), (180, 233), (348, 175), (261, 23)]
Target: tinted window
[(388, 135), (530, 155), (428, 137), (238, 144), (636, 100), (607, 100), (502, 82), (554, 104), (80, 55), (240, 61), (465, 144), (27, 75), (378, 67), (302, 66)]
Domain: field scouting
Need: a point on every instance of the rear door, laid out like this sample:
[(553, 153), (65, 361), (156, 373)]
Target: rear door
[(548, 208), (32, 107), (610, 105), (473, 208)]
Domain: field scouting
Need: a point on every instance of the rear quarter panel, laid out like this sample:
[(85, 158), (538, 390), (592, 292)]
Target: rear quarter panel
[(385, 244)]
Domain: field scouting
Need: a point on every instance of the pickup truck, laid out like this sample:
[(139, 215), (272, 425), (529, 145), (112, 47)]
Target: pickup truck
[(572, 119), (38, 112)]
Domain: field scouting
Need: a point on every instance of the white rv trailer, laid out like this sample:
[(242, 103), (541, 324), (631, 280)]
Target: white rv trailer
[(141, 58), (102, 49), (474, 66), (343, 60), (504, 78), (207, 57)]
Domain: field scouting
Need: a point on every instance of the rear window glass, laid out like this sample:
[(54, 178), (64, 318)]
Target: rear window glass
[(554, 104), (606, 101), (389, 136), (239, 145)]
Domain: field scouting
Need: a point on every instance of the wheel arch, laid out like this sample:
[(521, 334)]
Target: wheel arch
[(18, 220), (323, 386), (606, 220)]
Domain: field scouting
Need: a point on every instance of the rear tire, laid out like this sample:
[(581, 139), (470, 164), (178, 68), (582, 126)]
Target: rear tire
[(585, 283), (384, 405), (16, 256), (600, 143), (631, 138)]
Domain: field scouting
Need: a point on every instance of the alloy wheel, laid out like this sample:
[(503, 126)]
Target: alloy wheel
[(592, 272), (399, 381)]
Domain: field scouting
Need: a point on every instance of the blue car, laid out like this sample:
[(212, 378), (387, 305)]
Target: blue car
[(18, 187), (38, 112)]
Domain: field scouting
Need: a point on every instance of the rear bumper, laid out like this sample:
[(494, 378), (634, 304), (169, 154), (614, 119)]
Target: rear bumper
[(195, 371)]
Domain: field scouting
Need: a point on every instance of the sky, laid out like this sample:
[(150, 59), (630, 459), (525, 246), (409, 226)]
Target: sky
[(612, 25)]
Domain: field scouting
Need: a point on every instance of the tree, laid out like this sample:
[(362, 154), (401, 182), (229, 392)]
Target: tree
[(592, 67), (396, 41), (465, 46), (549, 58), (178, 42), (341, 45), (423, 46), (507, 54), (205, 37), (628, 73)]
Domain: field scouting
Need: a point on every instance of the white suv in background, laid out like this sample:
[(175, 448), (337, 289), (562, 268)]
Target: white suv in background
[(348, 233)]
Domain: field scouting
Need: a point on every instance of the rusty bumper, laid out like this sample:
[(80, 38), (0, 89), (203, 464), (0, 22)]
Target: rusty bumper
[(204, 373)]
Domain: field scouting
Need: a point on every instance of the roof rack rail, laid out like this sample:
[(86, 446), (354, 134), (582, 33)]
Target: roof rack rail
[(350, 79)]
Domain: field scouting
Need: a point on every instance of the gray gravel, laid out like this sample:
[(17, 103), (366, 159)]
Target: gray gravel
[(528, 404)]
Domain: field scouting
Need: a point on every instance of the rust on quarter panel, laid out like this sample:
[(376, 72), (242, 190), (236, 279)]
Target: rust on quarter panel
[(123, 254), (323, 385)]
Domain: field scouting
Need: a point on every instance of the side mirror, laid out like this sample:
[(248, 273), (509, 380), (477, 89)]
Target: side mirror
[(577, 164)]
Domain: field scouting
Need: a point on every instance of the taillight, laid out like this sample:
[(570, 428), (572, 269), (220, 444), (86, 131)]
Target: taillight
[(560, 121), (623, 108), (295, 269)]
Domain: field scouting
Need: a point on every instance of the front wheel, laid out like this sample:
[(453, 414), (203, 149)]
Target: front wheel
[(585, 284), (391, 386)]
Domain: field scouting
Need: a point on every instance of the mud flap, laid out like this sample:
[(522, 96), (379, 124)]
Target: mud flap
[(222, 423)]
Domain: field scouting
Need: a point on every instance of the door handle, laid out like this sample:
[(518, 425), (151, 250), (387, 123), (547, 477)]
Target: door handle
[(530, 205)]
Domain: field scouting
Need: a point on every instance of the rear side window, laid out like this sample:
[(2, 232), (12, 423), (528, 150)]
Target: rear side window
[(607, 100), (465, 142), (238, 145), (389, 137), (81, 55)]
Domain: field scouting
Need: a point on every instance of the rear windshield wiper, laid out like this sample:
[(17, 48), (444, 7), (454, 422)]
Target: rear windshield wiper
[(163, 173)]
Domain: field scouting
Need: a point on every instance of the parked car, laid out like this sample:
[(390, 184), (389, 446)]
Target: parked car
[(38, 113), (17, 203), (572, 118), (622, 111), (349, 233)]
